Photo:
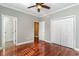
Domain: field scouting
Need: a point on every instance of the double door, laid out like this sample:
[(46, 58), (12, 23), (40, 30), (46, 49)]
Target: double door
[(62, 32)]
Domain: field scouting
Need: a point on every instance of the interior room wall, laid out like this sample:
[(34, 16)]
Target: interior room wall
[(25, 28), (66, 12), (0, 33), (42, 30), (46, 19)]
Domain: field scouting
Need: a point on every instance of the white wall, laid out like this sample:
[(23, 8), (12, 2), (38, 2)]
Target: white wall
[(25, 30), (42, 30), (0, 32)]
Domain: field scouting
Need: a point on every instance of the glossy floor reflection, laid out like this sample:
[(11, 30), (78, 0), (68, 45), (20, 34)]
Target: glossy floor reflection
[(42, 49)]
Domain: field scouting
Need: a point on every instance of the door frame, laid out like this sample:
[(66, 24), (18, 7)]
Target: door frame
[(3, 29), (74, 27)]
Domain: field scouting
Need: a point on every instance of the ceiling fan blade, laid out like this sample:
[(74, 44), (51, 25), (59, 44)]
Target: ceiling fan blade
[(32, 6), (38, 10), (37, 3), (41, 3), (44, 6)]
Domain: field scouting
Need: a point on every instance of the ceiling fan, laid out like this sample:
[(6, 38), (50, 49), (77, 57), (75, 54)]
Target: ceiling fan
[(39, 6)]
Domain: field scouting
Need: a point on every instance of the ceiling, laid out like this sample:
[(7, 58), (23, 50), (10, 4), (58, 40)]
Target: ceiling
[(33, 11)]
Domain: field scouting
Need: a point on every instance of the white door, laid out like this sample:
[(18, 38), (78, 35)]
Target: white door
[(55, 32), (62, 32), (9, 32)]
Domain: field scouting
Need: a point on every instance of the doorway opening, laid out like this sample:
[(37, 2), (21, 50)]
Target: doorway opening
[(9, 34)]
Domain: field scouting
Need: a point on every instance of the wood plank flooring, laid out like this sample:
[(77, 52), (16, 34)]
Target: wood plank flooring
[(43, 49)]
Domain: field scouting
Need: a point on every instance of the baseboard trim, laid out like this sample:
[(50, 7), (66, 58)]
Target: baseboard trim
[(24, 42), (47, 41), (76, 49), (61, 45)]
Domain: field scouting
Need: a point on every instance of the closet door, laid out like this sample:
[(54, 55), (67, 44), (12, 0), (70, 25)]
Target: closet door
[(55, 32), (62, 32), (67, 33)]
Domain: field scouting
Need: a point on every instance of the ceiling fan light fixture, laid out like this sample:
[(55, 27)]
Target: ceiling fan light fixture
[(39, 7)]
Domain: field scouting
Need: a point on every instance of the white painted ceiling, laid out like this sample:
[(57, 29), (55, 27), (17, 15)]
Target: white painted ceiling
[(23, 7)]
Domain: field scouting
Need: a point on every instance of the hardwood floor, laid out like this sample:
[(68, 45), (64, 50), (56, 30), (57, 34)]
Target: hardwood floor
[(42, 49)]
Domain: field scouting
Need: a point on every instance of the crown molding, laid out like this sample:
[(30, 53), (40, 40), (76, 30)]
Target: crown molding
[(59, 10), (39, 16), (20, 10)]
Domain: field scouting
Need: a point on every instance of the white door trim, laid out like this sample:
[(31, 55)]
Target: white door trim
[(74, 18), (3, 29)]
